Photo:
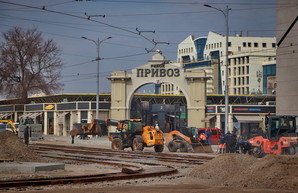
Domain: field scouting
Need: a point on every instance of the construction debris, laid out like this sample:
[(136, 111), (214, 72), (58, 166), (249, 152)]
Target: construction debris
[(13, 148), (239, 170)]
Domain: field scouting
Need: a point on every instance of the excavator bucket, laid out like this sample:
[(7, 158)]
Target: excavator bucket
[(201, 148)]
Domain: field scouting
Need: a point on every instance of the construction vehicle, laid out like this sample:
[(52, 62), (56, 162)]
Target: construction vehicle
[(186, 140), (131, 133), (281, 137), (9, 125)]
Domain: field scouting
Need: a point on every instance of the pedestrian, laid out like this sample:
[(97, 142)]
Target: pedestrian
[(222, 143), (229, 142), (73, 133), (26, 135), (209, 134), (202, 138), (260, 132)]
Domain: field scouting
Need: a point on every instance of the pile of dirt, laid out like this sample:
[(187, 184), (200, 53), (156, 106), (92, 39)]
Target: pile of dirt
[(12, 148), (239, 170)]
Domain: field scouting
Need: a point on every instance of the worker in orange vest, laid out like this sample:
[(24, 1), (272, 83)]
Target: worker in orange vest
[(203, 138)]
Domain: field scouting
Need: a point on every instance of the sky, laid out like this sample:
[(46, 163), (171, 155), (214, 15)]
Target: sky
[(66, 21)]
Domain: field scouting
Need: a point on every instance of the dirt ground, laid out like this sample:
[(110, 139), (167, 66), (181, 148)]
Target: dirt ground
[(225, 173)]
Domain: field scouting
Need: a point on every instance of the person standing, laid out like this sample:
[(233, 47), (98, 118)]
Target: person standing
[(222, 143), (26, 135)]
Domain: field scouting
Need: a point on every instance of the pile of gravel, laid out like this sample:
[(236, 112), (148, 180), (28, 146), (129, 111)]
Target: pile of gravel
[(12, 148), (239, 170)]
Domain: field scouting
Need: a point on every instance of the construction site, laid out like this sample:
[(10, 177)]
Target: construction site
[(54, 164)]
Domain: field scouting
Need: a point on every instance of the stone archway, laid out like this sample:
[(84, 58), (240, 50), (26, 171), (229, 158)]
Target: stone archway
[(157, 71)]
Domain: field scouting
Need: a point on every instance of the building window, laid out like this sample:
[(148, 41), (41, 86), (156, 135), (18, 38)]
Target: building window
[(264, 45), (219, 44), (229, 44), (247, 80), (247, 90), (273, 45), (235, 81), (247, 59), (247, 69), (235, 90), (235, 69), (243, 70), (244, 44), (239, 70), (249, 44), (239, 81), (256, 44), (229, 72), (243, 81)]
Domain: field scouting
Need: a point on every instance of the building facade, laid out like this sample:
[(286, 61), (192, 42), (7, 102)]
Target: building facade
[(287, 55), (248, 58)]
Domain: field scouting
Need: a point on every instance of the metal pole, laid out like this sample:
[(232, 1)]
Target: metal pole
[(97, 81), (227, 72), (226, 15), (97, 43)]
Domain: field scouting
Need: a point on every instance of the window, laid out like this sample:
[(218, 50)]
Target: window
[(243, 70), (229, 44), (217, 45), (239, 70), (247, 59), (244, 44), (256, 44), (229, 72), (243, 80), (235, 81), (264, 45), (247, 69), (235, 71), (235, 90), (273, 45), (249, 44), (220, 44), (247, 80), (239, 81)]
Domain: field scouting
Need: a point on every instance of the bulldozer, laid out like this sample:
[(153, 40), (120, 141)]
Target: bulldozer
[(281, 137), (187, 141), (132, 134)]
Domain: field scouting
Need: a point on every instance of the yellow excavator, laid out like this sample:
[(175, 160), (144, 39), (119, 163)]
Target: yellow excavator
[(9, 125)]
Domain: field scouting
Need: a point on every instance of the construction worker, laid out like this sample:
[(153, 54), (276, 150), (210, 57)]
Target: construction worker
[(202, 137), (26, 135), (222, 143)]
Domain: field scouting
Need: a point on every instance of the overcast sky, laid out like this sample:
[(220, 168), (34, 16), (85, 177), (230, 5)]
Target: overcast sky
[(65, 22)]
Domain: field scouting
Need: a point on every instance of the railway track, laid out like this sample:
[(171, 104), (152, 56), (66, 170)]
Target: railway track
[(131, 165)]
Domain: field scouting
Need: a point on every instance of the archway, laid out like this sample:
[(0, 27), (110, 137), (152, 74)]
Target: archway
[(157, 71)]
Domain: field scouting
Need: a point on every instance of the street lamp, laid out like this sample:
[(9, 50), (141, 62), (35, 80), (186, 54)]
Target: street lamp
[(226, 15), (97, 43)]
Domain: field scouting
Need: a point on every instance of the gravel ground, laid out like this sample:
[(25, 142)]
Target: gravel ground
[(187, 180)]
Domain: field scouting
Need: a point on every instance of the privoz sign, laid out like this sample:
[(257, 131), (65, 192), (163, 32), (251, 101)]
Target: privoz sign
[(158, 70)]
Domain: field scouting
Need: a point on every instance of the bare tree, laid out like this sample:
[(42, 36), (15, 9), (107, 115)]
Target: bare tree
[(28, 64)]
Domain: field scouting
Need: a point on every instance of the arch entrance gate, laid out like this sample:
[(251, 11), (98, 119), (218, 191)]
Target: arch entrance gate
[(157, 71)]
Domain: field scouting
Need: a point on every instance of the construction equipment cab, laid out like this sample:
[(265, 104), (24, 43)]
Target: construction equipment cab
[(131, 133), (280, 137)]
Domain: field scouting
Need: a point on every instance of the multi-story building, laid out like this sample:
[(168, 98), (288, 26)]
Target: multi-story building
[(251, 62)]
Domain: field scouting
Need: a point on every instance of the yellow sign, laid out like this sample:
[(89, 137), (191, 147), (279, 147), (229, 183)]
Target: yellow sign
[(49, 107)]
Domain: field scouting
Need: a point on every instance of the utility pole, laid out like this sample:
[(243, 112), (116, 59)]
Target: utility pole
[(226, 15)]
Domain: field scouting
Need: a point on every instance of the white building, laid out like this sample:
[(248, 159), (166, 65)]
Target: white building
[(247, 58)]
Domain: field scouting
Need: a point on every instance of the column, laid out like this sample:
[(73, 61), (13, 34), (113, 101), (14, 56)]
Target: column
[(64, 129), (218, 123), (45, 123), (56, 125)]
